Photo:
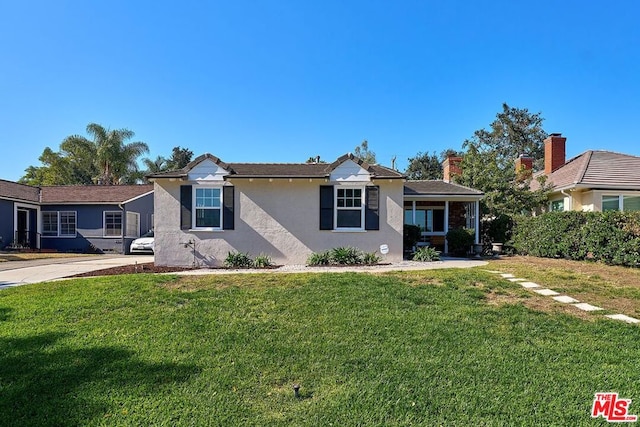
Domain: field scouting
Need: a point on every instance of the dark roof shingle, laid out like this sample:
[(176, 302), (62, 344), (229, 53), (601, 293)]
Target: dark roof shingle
[(281, 170), (14, 190), (92, 194), (438, 188)]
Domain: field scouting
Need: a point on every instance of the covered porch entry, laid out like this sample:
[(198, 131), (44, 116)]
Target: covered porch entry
[(437, 207)]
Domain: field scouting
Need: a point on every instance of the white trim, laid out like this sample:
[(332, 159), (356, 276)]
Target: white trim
[(58, 234), (126, 226), (104, 223), (341, 186), (136, 198), (17, 205), (194, 208)]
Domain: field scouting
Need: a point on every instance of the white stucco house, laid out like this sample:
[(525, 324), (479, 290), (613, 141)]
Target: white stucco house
[(290, 210), (594, 181)]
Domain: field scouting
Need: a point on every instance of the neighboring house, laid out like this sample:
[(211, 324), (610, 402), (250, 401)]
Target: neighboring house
[(106, 218), (286, 211), (19, 212), (593, 181), (74, 218)]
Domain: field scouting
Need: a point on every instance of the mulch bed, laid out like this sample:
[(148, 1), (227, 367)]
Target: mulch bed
[(147, 267)]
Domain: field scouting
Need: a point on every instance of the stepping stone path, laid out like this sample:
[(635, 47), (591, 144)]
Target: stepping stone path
[(561, 298)]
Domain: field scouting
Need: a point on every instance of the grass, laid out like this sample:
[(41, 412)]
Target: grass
[(447, 347), (617, 289)]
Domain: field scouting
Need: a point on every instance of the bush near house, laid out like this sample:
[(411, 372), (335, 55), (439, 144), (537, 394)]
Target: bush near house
[(344, 255), (609, 237), (410, 235), (243, 260), (460, 240)]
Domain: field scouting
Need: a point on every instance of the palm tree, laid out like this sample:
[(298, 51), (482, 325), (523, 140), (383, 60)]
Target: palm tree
[(107, 156)]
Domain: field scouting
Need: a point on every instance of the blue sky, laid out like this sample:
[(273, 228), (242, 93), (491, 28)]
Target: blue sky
[(280, 81)]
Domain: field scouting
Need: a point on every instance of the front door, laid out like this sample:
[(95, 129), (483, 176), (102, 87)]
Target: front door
[(22, 228)]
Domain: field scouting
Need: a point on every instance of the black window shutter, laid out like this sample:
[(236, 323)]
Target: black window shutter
[(227, 207), (372, 208), (185, 207), (326, 207)]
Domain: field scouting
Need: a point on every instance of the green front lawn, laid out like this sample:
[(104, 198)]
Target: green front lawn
[(449, 347)]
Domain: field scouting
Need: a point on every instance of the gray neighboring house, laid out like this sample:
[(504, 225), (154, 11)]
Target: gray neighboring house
[(19, 213), (290, 210), (74, 218)]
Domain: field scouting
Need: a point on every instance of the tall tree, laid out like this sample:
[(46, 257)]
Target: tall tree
[(105, 159), (180, 157), (489, 162), (424, 166), (515, 131), (362, 152)]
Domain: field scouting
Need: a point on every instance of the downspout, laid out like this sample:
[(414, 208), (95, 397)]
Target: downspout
[(124, 227)]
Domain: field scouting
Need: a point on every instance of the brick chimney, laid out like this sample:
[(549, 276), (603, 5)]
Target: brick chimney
[(554, 152), (524, 166), (451, 167)]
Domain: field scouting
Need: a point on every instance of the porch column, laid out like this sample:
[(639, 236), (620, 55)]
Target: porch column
[(477, 221), (446, 226)]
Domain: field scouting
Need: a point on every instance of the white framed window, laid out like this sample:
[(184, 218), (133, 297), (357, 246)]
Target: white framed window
[(59, 224), (133, 224), (349, 208), (207, 212), (428, 217), (469, 214), (49, 223), (112, 224), (557, 205), (620, 203)]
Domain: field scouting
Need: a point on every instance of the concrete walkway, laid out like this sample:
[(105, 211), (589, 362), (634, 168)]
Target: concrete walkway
[(16, 273), (565, 299)]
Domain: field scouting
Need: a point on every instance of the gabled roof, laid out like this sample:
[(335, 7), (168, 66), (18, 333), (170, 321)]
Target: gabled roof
[(596, 169), (439, 188), (282, 170), (93, 194), (16, 191)]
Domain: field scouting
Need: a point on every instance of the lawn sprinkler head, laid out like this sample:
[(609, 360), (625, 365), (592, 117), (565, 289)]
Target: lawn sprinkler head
[(296, 390)]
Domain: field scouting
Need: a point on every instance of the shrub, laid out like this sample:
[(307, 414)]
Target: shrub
[(410, 236), (460, 240), (346, 255), (238, 260), (610, 237), (319, 258), (263, 261), (426, 253), (499, 228), (370, 258)]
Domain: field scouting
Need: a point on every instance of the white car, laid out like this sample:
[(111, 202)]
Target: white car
[(143, 243)]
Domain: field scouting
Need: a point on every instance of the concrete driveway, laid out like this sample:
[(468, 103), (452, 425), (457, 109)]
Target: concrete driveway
[(16, 273)]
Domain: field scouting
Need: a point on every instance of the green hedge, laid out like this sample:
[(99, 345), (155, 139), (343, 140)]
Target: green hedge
[(609, 237)]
